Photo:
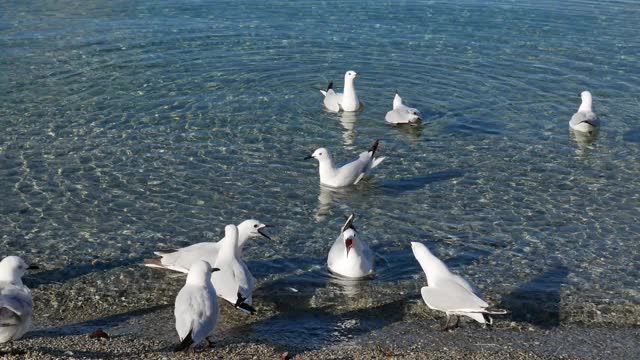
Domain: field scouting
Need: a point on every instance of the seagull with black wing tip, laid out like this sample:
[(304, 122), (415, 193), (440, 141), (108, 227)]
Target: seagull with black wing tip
[(196, 308), (449, 292), (350, 256), (346, 174)]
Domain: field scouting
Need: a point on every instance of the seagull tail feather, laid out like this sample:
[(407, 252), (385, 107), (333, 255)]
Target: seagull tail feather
[(153, 263), (494, 311), (377, 161), (185, 344), (374, 147)]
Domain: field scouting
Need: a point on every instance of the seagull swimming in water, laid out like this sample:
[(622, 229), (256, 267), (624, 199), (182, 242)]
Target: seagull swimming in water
[(181, 259), (16, 302), (347, 101), (449, 292), (402, 114), (348, 174), (196, 308), (233, 282), (350, 256), (585, 120)]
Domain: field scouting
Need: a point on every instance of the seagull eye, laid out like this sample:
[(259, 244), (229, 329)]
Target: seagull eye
[(255, 225), (320, 154)]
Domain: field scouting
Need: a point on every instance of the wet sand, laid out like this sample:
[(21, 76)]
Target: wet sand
[(140, 324)]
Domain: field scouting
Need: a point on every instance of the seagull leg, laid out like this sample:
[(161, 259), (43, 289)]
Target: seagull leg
[(457, 324), (446, 324), (210, 344)]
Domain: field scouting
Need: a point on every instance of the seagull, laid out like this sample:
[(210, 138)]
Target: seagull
[(585, 120), (196, 308), (347, 174), (348, 101), (402, 114), (16, 302), (350, 256), (449, 292), (181, 259), (233, 282)]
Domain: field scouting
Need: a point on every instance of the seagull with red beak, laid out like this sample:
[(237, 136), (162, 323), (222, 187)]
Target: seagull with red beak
[(350, 256)]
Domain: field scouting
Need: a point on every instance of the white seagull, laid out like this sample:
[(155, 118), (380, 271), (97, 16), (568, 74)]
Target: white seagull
[(196, 308), (181, 259), (348, 101), (347, 174), (449, 292), (16, 302), (402, 114), (233, 282), (350, 256), (585, 120)]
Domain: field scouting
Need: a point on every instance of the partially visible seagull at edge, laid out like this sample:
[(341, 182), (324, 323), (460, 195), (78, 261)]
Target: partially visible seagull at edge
[(402, 114), (449, 292), (585, 120), (181, 259), (347, 174), (350, 256), (347, 101), (16, 302)]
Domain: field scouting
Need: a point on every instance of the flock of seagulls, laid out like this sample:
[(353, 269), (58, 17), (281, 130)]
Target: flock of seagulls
[(216, 269)]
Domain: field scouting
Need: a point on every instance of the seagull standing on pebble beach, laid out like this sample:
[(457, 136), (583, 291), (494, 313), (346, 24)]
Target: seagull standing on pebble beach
[(196, 308), (181, 259), (449, 292), (233, 282), (16, 302)]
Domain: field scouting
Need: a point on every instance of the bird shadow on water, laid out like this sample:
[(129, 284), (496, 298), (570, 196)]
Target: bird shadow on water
[(538, 301), (393, 187), (632, 135)]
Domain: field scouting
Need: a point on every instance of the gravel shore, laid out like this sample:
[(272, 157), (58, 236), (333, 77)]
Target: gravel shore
[(311, 323)]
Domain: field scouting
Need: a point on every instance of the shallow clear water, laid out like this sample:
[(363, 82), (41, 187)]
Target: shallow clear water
[(131, 126)]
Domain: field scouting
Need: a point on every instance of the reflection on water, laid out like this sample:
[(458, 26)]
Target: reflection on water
[(327, 197), (348, 121), (584, 140)]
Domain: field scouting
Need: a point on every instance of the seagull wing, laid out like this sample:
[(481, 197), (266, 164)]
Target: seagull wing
[(332, 100), (452, 297), (15, 299)]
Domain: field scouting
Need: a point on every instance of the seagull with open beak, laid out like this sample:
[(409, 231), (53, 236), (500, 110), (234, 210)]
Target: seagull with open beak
[(350, 256)]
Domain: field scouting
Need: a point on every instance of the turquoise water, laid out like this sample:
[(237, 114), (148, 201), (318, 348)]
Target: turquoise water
[(131, 126)]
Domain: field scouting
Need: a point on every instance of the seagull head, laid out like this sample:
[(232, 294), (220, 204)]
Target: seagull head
[(349, 233), (253, 228), (199, 272), (349, 237), (350, 75), (12, 268), (414, 116), (319, 154)]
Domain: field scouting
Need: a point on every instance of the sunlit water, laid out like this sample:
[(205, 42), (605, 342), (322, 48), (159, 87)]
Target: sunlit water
[(131, 126)]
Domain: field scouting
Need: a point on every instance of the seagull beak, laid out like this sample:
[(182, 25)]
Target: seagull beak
[(263, 234), (348, 244), (308, 157), (214, 270), (33, 267)]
